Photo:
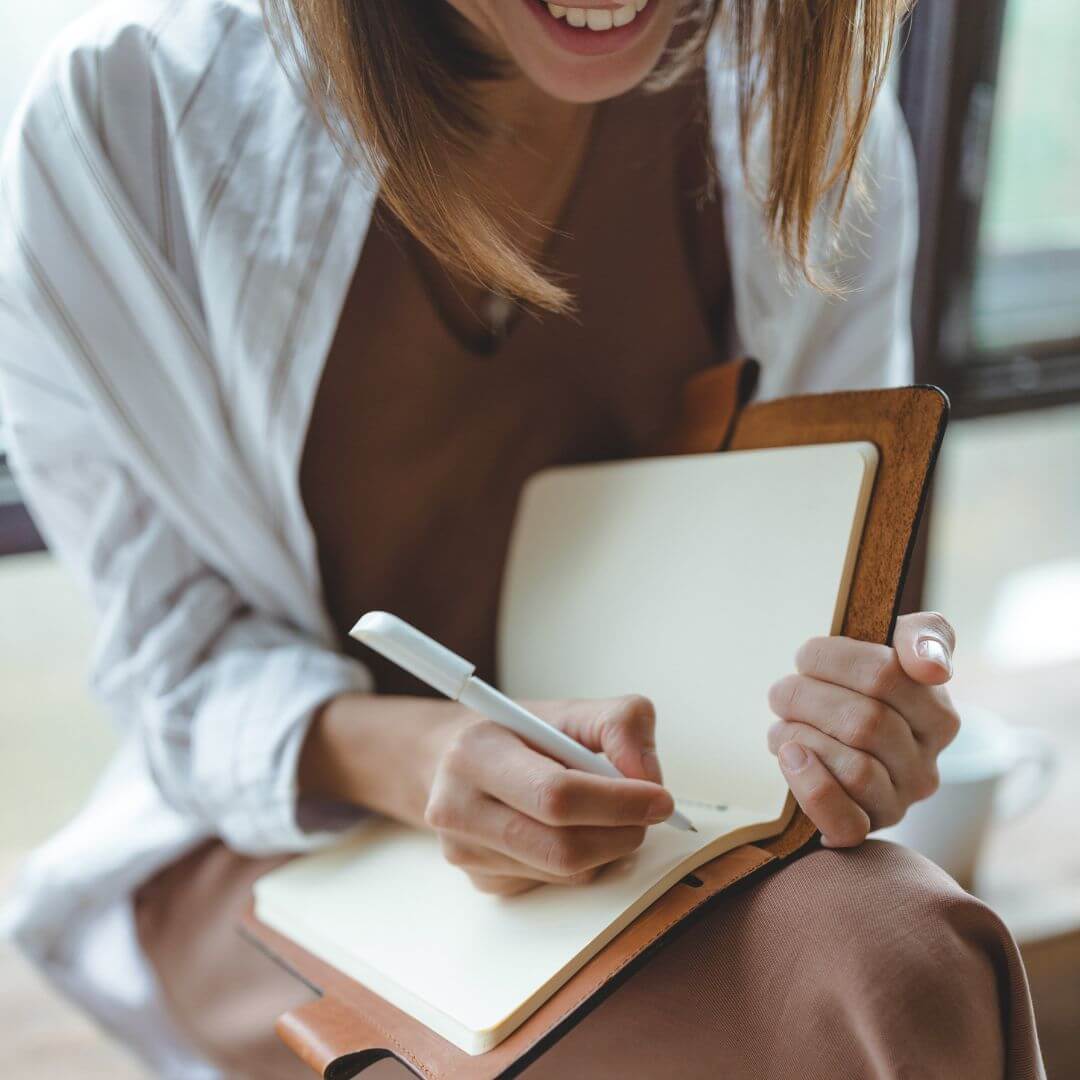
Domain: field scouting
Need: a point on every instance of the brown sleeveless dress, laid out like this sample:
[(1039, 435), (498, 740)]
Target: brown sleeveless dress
[(869, 962), (420, 440)]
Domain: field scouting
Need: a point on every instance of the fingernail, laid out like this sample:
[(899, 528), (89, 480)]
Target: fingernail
[(660, 808), (650, 764), (793, 757), (930, 648)]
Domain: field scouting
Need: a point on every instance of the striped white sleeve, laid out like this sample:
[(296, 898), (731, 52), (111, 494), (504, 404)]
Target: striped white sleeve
[(221, 693)]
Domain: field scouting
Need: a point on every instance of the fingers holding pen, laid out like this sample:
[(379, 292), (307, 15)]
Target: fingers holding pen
[(477, 823), (508, 815), (499, 764)]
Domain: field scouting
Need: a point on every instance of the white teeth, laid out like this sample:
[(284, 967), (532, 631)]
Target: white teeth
[(598, 18)]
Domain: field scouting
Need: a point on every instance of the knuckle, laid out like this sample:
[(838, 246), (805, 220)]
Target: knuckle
[(812, 655), (584, 877), (440, 813), (456, 854), (462, 749), (928, 783), (883, 673), (861, 776), (516, 833), (494, 886), (622, 806), (950, 724), (629, 808), (515, 886), (553, 796), (816, 797), (779, 733), (784, 695), (456, 760), (864, 723), (892, 810), (565, 857)]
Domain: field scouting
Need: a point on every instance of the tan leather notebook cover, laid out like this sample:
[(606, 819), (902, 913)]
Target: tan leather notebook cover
[(348, 1027)]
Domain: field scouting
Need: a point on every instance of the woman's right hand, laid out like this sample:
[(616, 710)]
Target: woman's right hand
[(510, 817), (507, 815)]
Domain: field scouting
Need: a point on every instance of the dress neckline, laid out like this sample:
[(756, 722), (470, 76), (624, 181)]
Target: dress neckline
[(503, 316)]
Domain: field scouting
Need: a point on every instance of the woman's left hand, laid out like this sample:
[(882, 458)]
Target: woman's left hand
[(861, 726)]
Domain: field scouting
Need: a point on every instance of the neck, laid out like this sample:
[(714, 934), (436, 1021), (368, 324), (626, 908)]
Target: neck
[(536, 145), (519, 108)]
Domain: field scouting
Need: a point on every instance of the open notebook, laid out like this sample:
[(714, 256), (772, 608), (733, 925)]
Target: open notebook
[(692, 580)]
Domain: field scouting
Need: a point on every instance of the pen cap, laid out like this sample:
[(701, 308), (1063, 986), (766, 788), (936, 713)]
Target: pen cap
[(418, 654)]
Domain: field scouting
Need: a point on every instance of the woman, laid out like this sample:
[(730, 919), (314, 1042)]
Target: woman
[(288, 318)]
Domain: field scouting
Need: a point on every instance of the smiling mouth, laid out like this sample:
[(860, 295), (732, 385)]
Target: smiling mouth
[(597, 20)]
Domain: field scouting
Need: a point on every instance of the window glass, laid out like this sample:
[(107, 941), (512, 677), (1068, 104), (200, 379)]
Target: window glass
[(1005, 539), (1027, 284)]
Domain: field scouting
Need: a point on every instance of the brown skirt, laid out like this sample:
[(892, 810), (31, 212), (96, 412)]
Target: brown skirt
[(863, 963)]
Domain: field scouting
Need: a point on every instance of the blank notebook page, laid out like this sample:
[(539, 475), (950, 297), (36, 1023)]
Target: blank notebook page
[(692, 580)]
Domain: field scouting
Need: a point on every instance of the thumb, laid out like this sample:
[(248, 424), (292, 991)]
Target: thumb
[(925, 642)]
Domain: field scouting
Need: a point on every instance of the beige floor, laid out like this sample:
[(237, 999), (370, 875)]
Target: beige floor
[(43, 1037), (53, 738), (53, 742)]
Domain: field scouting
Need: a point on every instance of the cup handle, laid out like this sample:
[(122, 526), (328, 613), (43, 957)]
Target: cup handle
[(1027, 781)]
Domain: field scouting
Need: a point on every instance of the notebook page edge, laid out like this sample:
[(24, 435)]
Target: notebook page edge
[(477, 1041), (871, 460)]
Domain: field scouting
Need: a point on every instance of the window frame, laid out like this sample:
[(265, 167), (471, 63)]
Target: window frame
[(18, 535), (948, 82)]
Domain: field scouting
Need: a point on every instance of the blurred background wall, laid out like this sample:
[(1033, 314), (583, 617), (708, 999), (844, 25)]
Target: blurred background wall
[(992, 94)]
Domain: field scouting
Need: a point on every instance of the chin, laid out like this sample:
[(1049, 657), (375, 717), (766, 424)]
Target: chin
[(582, 65)]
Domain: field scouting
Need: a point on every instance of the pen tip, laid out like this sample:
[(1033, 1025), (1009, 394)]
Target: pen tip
[(692, 829)]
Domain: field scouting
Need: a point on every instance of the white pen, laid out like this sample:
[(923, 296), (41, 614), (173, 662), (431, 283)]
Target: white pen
[(452, 675)]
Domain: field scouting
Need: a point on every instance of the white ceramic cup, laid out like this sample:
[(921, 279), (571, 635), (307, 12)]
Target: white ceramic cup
[(991, 771)]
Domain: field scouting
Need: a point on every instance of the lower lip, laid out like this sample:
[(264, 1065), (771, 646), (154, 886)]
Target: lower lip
[(586, 42)]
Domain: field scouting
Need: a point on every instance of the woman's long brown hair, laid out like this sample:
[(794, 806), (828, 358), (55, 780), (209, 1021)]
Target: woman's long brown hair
[(395, 81)]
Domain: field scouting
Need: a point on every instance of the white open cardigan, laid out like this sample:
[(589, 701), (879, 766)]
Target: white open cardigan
[(178, 234)]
